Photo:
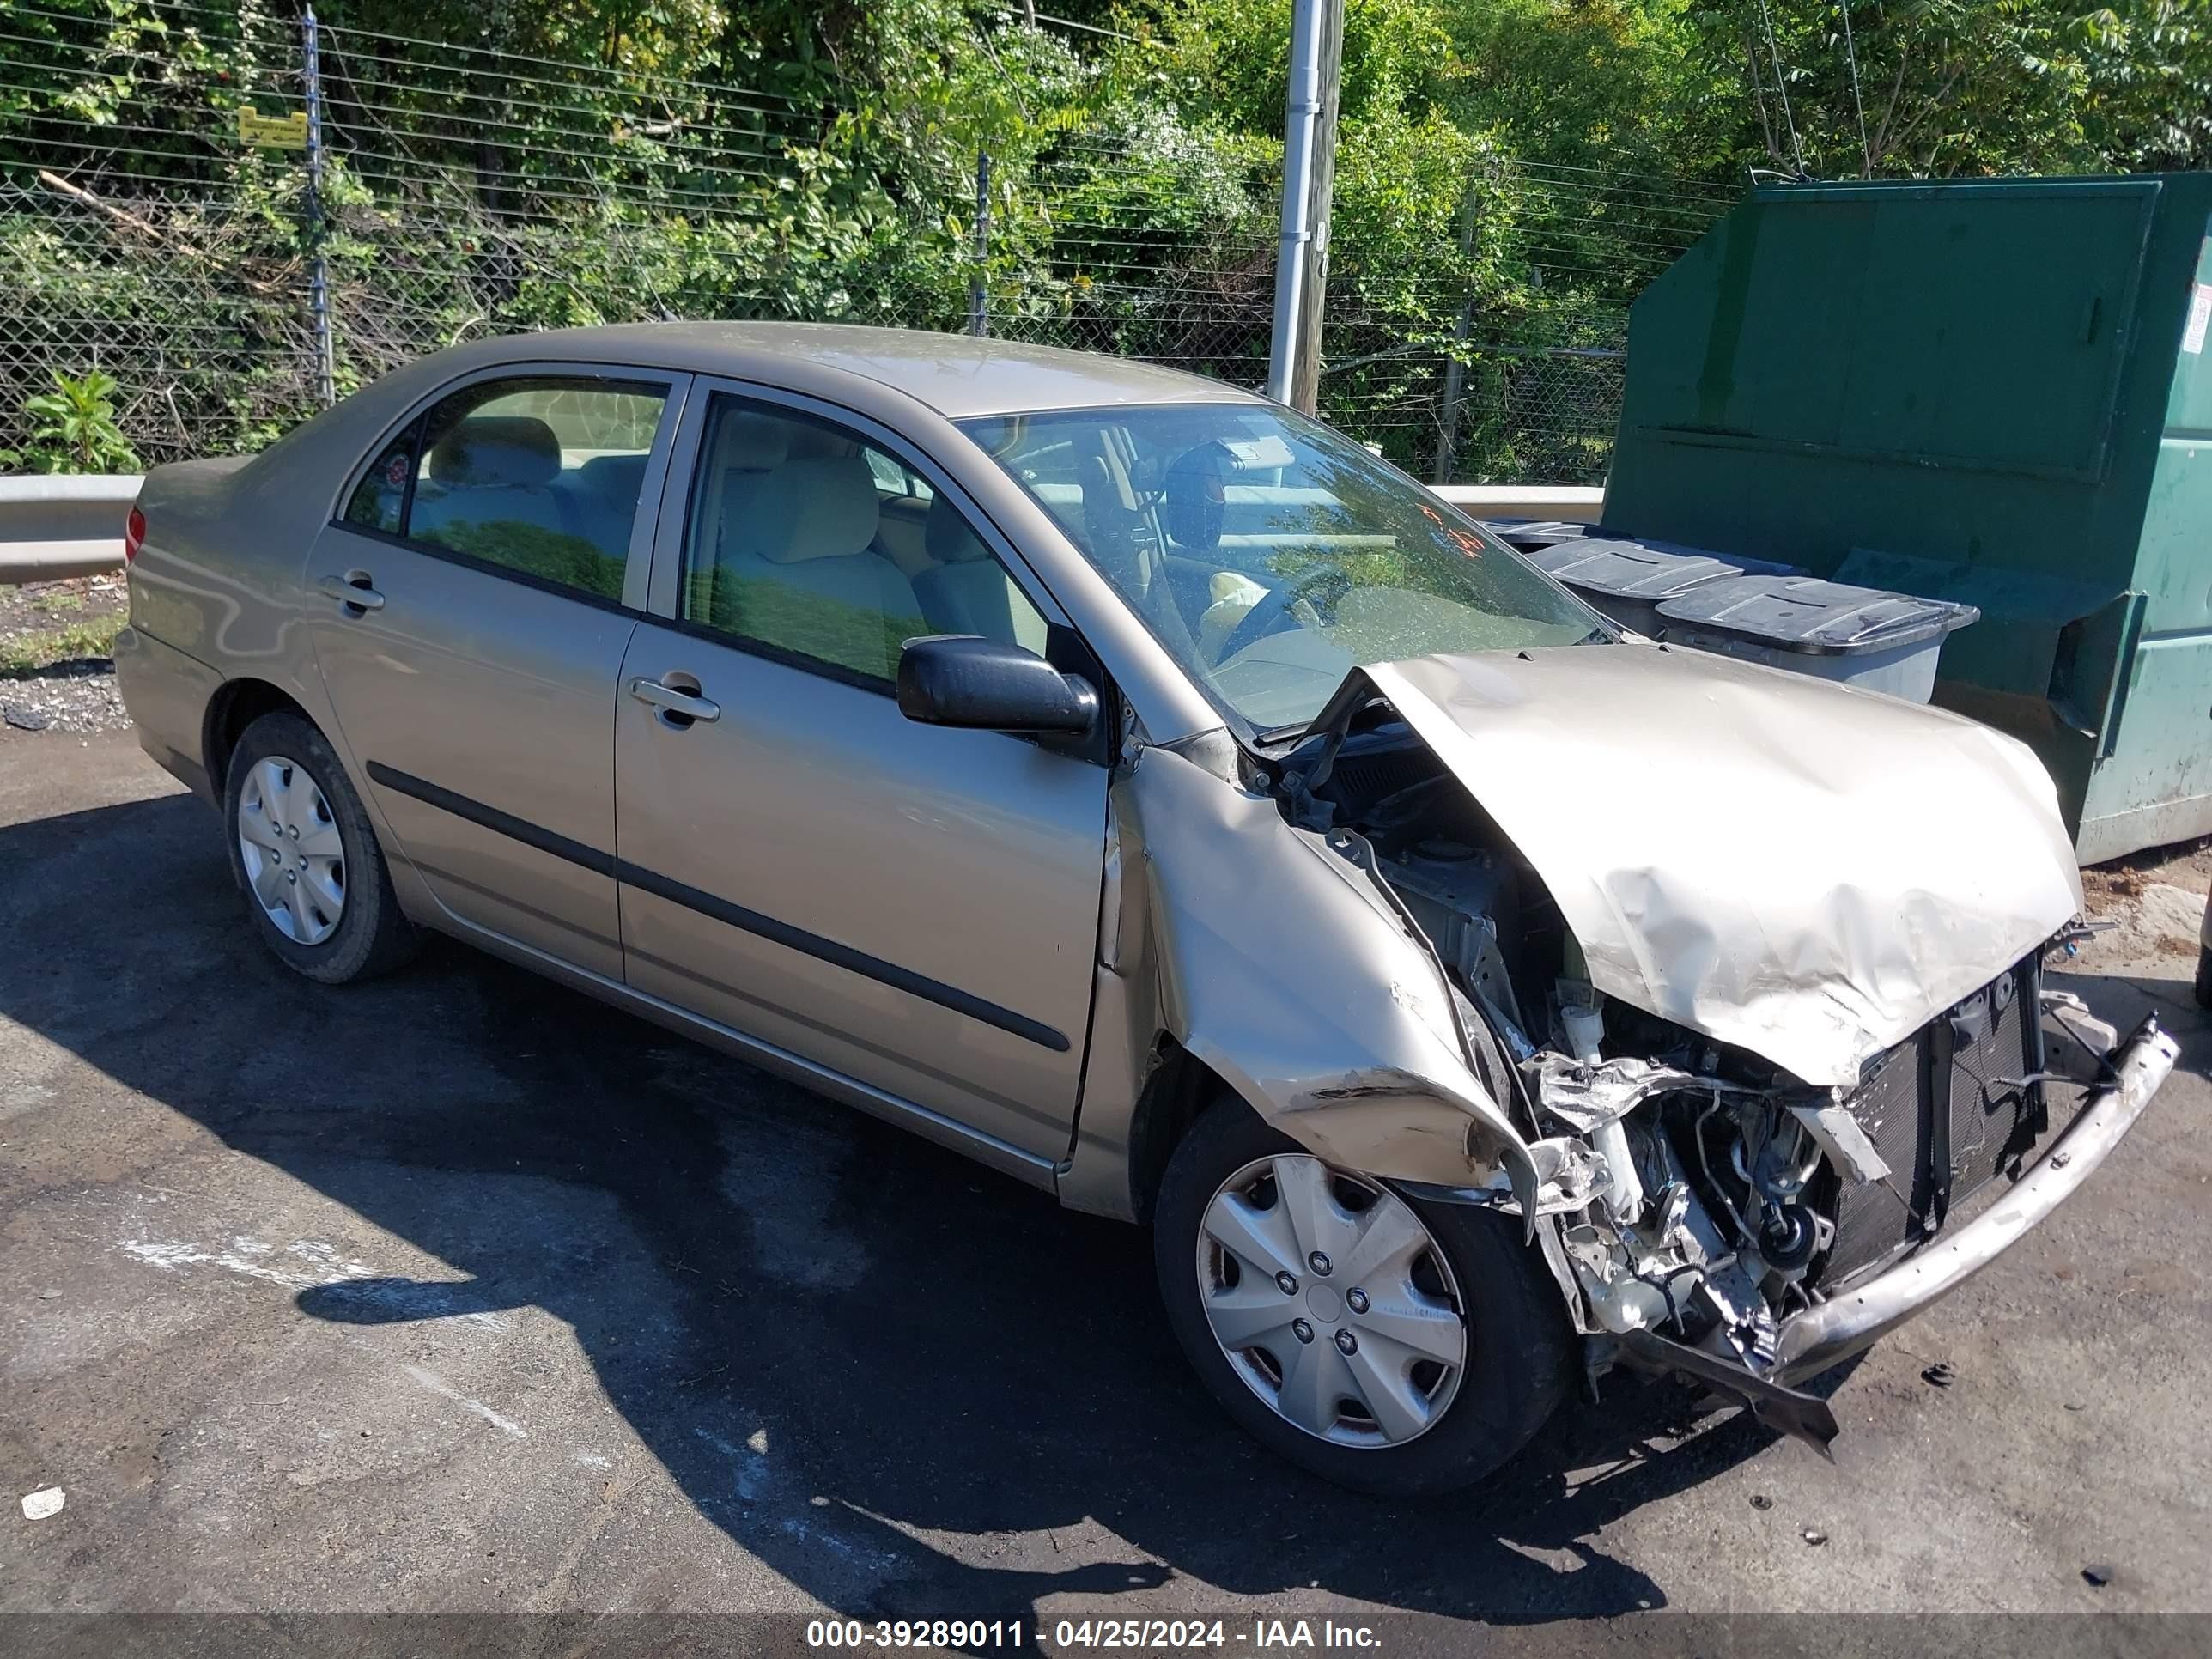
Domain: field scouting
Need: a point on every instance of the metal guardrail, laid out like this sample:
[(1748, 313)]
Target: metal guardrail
[(58, 526), (53, 526), (1574, 503)]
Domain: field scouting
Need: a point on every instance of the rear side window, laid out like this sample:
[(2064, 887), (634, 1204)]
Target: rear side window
[(537, 476)]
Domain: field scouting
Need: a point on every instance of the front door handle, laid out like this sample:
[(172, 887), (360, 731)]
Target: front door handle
[(354, 592), (677, 707)]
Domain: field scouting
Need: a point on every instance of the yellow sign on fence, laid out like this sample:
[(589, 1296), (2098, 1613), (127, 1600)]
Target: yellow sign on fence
[(273, 131)]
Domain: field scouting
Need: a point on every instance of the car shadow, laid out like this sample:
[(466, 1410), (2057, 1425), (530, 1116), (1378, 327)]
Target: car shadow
[(838, 1341)]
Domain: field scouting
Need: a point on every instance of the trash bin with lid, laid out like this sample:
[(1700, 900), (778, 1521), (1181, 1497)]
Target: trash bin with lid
[(1863, 637), (1526, 535), (1627, 579)]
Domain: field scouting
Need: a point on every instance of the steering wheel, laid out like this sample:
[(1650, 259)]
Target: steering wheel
[(1326, 586)]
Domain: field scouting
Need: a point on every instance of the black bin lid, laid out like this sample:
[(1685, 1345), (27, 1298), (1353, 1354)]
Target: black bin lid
[(1818, 618), (1523, 535), (1628, 569)]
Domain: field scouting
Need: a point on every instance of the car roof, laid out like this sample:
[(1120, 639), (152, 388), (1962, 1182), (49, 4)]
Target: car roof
[(958, 375)]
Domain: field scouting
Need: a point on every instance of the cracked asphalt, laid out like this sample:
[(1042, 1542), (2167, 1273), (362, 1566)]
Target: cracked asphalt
[(458, 1292)]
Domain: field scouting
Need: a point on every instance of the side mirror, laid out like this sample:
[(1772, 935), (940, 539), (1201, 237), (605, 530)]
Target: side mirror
[(961, 679)]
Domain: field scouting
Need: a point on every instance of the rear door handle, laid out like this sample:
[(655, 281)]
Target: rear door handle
[(677, 707), (352, 591)]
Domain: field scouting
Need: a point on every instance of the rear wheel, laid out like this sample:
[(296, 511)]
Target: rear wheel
[(2204, 978), (1396, 1348), (305, 857)]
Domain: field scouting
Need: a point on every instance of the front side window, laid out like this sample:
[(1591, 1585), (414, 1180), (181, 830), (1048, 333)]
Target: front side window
[(1268, 555), (540, 476), (795, 543)]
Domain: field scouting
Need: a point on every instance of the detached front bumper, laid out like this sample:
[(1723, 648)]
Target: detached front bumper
[(1811, 1341)]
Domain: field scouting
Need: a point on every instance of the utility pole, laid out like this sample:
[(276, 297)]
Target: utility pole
[(1313, 290), (1302, 113)]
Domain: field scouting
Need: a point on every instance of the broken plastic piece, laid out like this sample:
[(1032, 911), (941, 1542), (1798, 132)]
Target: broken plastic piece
[(1848, 1146), (1798, 1415)]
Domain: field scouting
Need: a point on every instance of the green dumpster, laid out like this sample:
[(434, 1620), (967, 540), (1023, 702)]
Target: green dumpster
[(1996, 392)]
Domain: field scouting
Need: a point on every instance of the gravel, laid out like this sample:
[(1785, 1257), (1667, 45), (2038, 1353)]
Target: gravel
[(75, 696), (62, 690)]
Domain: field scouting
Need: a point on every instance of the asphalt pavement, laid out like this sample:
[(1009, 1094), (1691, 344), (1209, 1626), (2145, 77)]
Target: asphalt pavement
[(458, 1292)]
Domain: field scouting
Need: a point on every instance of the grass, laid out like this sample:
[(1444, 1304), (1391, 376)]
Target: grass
[(55, 600), (79, 640)]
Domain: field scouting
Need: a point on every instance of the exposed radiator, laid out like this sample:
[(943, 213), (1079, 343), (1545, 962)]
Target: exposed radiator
[(1954, 1066)]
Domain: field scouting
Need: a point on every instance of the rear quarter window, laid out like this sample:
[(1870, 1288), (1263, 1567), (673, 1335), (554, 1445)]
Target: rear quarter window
[(379, 500)]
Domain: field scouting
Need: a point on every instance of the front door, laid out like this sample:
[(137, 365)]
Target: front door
[(469, 612), (911, 907)]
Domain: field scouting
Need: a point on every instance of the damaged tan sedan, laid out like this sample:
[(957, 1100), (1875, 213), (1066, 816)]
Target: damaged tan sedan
[(1144, 790)]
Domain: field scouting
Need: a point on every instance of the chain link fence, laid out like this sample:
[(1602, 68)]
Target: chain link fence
[(173, 235)]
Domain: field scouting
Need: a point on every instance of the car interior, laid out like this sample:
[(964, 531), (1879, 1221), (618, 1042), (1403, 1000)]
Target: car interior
[(800, 536), (804, 538)]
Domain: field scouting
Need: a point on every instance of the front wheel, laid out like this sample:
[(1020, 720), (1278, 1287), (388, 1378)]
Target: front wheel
[(303, 853), (1394, 1348)]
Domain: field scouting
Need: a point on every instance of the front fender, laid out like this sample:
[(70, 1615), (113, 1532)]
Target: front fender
[(1275, 962)]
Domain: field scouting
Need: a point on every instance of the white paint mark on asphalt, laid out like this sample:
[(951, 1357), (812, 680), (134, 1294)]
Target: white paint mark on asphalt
[(243, 1258), (807, 1533), (754, 1478), (38, 1504), (398, 1300), (751, 1459), (591, 1460), (430, 1379)]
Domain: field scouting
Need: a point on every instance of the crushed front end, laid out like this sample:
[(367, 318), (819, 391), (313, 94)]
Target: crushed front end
[(1705, 1208)]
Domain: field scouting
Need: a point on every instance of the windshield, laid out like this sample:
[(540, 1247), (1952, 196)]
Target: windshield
[(1270, 555)]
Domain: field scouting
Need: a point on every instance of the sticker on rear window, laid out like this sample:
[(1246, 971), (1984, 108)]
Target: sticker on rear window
[(2200, 317)]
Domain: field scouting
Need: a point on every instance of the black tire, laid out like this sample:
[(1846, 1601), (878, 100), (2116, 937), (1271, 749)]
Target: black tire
[(371, 936), (1521, 1350), (2205, 979)]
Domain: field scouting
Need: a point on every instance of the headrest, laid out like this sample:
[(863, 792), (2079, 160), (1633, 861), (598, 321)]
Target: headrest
[(948, 537), (487, 452), (615, 478), (749, 443), (819, 506)]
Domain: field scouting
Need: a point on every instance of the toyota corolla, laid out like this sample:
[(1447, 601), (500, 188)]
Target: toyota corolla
[(1140, 788)]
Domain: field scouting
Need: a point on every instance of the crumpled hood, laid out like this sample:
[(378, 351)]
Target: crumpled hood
[(1807, 871)]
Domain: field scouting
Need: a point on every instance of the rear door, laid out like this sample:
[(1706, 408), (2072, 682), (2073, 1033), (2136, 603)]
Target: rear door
[(470, 607), (910, 907)]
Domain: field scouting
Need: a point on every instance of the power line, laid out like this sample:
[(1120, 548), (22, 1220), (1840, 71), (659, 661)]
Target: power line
[(1774, 51), (1852, 55)]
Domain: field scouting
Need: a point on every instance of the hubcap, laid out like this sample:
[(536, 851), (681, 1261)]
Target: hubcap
[(1394, 1337), (289, 843)]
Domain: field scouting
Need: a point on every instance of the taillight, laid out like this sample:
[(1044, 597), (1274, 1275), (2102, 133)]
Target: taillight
[(134, 535)]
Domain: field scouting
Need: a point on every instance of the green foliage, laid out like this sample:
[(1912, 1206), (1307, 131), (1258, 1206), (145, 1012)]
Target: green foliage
[(73, 428), (1508, 175), (90, 639), (1959, 87)]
